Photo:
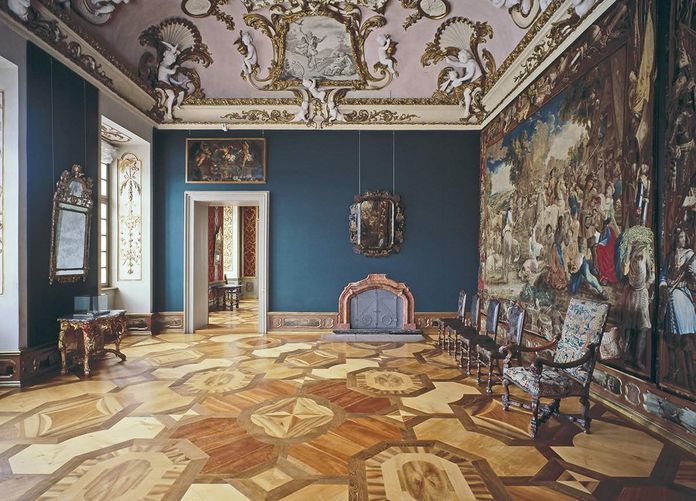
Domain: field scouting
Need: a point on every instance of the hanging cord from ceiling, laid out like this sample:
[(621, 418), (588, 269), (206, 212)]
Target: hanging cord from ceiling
[(84, 119), (393, 162), (360, 162)]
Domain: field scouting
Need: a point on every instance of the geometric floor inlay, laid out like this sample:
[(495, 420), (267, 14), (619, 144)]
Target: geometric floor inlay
[(423, 470), (231, 414)]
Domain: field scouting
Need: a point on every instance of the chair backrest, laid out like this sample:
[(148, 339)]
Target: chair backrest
[(474, 310), (583, 326), (515, 323), (461, 306), (492, 316)]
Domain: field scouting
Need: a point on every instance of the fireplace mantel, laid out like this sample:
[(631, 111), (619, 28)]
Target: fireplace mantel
[(377, 281)]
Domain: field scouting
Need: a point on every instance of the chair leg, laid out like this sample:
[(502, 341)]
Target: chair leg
[(506, 394), (478, 369), (489, 388), (534, 425), (586, 419), (468, 359)]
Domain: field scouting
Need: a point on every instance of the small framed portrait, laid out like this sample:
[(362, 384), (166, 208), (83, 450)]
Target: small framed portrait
[(226, 160)]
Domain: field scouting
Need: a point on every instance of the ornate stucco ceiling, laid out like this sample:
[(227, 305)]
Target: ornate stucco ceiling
[(319, 63)]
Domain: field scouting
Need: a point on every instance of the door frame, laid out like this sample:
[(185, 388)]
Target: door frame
[(224, 198)]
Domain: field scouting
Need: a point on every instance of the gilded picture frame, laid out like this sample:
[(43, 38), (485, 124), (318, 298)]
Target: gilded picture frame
[(226, 161), (377, 224)]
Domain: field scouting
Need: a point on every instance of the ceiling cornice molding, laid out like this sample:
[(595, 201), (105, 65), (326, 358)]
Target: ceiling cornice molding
[(56, 38), (55, 33)]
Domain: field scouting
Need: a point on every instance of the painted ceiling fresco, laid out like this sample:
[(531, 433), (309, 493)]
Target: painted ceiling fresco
[(314, 62)]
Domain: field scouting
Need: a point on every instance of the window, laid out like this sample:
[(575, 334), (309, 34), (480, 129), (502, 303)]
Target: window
[(104, 224)]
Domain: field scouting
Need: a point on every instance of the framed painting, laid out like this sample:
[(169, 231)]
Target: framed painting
[(226, 160), (376, 224)]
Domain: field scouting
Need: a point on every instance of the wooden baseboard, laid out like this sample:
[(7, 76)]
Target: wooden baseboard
[(643, 402), (20, 367), (169, 321), (139, 324)]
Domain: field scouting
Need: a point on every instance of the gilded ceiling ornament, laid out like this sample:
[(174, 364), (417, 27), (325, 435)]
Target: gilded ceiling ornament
[(319, 54), (113, 135), (378, 6), (206, 8), (260, 116), (177, 41), (378, 117), (457, 42), (431, 9)]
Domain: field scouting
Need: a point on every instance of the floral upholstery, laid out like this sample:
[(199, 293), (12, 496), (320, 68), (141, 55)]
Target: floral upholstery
[(583, 325), (552, 383)]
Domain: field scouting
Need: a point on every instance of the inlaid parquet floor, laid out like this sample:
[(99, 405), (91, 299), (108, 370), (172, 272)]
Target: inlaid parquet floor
[(232, 415)]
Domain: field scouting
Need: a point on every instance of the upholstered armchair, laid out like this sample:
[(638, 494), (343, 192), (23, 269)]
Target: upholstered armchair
[(444, 324), (569, 374), (469, 337), (490, 352)]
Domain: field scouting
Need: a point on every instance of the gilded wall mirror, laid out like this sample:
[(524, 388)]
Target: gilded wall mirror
[(377, 224), (72, 215)]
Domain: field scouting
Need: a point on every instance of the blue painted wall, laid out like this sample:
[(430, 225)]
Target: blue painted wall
[(312, 178), (62, 130)]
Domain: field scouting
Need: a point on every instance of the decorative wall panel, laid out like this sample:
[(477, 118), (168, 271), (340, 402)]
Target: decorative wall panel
[(130, 217), (228, 244), (249, 232), (677, 281), (566, 182), (215, 244)]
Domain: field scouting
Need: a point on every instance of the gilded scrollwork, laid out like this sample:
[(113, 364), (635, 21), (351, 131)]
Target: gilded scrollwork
[(378, 116), (457, 41), (260, 116)]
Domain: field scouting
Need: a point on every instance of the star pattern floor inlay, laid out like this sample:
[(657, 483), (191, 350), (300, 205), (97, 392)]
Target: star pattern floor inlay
[(228, 414)]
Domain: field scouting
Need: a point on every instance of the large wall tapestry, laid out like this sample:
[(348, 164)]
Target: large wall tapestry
[(130, 218), (677, 281), (566, 187)]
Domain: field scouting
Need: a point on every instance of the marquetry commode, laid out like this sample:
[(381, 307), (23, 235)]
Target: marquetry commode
[(86, 335)]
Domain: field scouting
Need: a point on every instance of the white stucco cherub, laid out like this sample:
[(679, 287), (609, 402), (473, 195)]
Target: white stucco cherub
[(303, 114), (106, 7), (335, 114), (582, 7), (248, 50), (525, 5), (174, 89), (20, 8), (471, 71), (311, 85), (385, 53)]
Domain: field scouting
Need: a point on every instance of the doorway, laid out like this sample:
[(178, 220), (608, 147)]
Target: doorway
[(225, 295)]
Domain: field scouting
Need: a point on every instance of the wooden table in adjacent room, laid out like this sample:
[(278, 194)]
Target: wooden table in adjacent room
[(86, 335), (229, 295)]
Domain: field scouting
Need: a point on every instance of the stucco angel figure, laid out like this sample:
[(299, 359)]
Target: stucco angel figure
[(20, 8), (385, 52), (471, 71), (245, 46), (311, 85), (525, 5), (582, 7), (105, 7), (303, 114), (173, 88), (335, 114)]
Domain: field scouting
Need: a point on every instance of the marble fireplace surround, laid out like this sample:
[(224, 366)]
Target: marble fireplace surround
[(380, 282)]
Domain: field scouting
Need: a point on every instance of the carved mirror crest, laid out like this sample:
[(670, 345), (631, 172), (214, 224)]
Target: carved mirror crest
[(377, 224), (72, 215)]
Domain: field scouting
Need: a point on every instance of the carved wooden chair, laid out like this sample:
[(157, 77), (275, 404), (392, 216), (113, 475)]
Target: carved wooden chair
[(570, 372), (468, 338), (453, 346), (490, 352), (444, 337)]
